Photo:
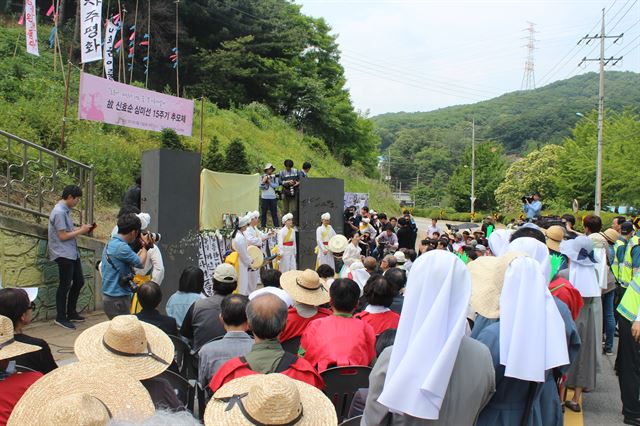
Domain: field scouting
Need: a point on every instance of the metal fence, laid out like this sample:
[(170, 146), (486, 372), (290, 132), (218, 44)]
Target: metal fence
[(32, 178)]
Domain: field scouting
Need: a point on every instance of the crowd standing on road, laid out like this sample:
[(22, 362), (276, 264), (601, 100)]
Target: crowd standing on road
[(470, 325)]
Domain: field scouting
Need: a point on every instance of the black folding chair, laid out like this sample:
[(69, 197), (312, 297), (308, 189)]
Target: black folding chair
[(341, 384), (23, 369), (180, 350), (292, 345), (353, 421), (183, 389)]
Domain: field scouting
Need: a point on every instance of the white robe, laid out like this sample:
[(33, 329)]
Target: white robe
[(325, 257), (287, 253), (254, 238), (244, 262)]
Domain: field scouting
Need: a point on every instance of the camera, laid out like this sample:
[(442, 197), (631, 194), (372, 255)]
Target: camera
[(154, 236), (126, 282), (527, 199)]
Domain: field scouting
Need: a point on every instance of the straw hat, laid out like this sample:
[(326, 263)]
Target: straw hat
[(83, 393), (9, 348), (487, 279), (257, 257), (270, 399), (304, 287), (337, 244), (611, 235), (555, 235), (139, 348), (400, 257)]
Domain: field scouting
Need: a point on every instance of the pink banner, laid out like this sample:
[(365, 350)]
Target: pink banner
[(31, 27), (116, 103)]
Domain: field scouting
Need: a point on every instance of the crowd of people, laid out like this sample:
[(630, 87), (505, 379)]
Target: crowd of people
[(481, 326)]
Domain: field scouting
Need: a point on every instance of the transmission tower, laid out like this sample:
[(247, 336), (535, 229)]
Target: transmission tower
[(529, 79)]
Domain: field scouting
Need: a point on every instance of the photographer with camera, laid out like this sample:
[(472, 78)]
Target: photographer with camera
[(118, 261), (532, 206), (268, 198), (290, 180)]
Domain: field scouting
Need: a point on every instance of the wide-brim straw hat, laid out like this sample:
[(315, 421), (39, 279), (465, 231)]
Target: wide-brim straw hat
[(337, 244), (141, 349), (270, 399), (256, 255), (82, 391), (555, 235), (9, 348), (487, 280), (305, 287)]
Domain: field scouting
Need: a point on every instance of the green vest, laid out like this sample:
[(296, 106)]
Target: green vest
[(630, 303), (616, 265), (626, 270)]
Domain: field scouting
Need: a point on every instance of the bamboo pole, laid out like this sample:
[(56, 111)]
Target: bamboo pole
[(135, 32), (146, 80), (66, 100), (201, 124)]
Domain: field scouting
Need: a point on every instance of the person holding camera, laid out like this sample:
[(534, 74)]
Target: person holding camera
[(153, 267), (290, 180), (532, 206), (268, 198), (118, 261)]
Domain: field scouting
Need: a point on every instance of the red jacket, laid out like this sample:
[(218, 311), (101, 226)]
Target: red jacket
[(235, 368), (338, 341), (297, 324), (380, 322), (11, 390), (565, 291)]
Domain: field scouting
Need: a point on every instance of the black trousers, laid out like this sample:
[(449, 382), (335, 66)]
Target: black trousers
[(269, 206), (71, 282), (628, 364)]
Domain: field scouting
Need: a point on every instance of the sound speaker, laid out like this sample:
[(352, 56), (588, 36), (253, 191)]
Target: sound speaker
[(317, 196), (171, 195)]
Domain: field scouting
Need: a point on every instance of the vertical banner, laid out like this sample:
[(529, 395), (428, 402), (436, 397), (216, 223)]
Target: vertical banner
[(109, 39), (90, 30), (31, 19)]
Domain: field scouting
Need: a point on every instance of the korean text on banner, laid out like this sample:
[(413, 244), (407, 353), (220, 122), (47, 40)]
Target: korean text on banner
[(116, 103), (109, 39), (222, 193), (31, 28), (91, 30)]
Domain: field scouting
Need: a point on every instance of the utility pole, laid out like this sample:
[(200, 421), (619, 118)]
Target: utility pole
[(603, 61), (473, 166), (418, 179), (529, 79)]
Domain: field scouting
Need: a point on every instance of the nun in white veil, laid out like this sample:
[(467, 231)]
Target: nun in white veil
[(434, 374)]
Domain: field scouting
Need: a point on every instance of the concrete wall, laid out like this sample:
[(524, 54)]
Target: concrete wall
[(24, 262)]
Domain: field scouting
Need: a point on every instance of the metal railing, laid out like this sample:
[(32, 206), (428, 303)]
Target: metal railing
[(32, 179)]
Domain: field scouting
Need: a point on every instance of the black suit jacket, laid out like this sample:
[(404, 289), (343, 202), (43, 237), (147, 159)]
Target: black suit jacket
[(163, 322)]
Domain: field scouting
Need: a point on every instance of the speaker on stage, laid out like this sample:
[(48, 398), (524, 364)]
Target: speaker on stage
[(171, 195), (317, 196)]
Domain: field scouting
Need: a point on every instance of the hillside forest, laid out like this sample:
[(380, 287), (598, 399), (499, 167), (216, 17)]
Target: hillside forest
[(525, 141)]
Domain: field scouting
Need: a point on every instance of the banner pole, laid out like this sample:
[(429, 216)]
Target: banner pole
[(201, 124), (66, 100)]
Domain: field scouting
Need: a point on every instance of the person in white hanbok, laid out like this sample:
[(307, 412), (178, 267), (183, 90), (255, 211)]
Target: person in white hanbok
[(323, 235), (241, 245), (287, 244), (254, 238)]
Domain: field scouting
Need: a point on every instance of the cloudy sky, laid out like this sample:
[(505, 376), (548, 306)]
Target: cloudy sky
[(420, 55)]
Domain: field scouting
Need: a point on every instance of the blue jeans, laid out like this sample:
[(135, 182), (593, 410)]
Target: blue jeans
[(609, 320)]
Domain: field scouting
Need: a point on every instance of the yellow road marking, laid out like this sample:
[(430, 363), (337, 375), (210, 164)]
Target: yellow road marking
[(571, 418)]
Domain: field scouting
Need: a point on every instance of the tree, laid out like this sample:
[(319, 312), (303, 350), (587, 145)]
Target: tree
[(490, 168), (538, 171), (169, 139), (213, 159), (235, 158)]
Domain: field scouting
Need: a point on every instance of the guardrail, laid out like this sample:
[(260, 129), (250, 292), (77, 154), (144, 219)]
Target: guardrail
[(32, 178)]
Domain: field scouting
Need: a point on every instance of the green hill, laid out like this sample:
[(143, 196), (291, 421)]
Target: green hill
[(524, 119), (32, 100)]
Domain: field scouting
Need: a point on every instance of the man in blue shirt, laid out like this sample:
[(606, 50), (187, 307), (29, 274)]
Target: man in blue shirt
[(63, 249), (118, 260), (532, 208)]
